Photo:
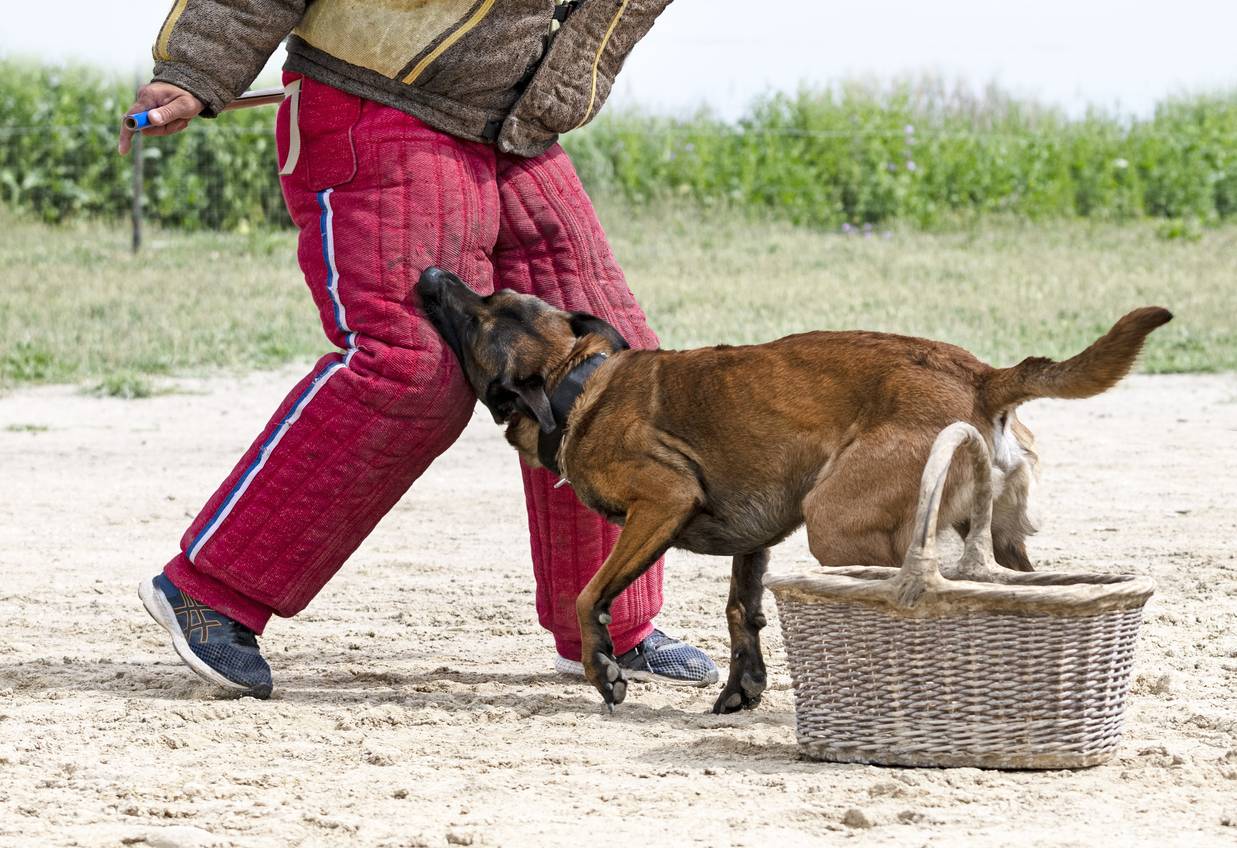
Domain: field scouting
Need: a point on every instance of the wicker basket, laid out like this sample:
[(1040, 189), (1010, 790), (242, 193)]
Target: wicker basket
[(998, 669)]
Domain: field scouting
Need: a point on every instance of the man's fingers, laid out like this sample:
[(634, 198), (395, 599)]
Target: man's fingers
[(170, 107), (167, 129), (182, 108)]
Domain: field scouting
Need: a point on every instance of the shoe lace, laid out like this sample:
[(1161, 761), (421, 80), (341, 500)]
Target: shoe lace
[(656, 640)]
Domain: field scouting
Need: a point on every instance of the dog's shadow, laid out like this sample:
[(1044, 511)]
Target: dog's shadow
[(529, 694), (440, 689), (445, 689), (161, 680)]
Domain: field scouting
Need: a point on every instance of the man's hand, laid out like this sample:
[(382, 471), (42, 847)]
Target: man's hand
[(172, 110)]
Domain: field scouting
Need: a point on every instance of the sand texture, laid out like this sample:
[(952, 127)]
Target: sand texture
[(415, 702)]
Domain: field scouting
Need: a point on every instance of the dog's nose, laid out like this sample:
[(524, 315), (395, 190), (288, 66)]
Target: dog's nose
[(432, 283)]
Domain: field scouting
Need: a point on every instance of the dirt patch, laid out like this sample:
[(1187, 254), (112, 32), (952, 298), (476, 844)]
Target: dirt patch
[(414, 699)]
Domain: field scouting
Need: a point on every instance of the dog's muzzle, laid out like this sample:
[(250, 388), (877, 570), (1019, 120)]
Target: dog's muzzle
[(442, 297)]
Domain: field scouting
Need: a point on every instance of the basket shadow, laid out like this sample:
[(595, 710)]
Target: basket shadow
[(716, 751)]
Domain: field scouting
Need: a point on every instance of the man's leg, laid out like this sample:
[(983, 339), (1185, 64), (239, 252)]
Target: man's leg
[(550, 244), (377, 196)]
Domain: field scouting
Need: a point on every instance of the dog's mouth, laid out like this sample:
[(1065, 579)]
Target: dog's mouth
[(447, 328), (501, 403), (516, 416), (510, 417), (444, 299)]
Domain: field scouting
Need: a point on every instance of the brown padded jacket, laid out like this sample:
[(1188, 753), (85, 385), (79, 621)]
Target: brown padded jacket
[(512, 72)]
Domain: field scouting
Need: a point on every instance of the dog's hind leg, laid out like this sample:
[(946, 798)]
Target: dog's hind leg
[(1009, 552), (860, 510), (745, 618)]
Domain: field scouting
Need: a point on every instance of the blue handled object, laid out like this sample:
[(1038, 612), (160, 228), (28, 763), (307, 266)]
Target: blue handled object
[(137, 120), (260, 97)]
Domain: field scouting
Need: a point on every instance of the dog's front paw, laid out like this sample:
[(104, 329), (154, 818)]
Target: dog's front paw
[(742, 693), (600, 666), (607, 677)]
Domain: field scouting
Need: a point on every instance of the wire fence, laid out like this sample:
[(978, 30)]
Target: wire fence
[(192, 183), (825, 159)]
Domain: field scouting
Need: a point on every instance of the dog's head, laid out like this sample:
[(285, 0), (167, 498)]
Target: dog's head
[(512, 347)]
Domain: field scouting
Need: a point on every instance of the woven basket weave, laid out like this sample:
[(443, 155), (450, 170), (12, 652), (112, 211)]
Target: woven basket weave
[(1000, 669)]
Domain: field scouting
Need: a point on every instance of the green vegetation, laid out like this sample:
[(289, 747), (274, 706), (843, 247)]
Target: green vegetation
[(980, 219), (917, 152), (77, 306), (58, 159), (928, 156), (125, 385), (1004, 290)]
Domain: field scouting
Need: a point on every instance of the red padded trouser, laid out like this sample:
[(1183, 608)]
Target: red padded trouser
[(378, 196)]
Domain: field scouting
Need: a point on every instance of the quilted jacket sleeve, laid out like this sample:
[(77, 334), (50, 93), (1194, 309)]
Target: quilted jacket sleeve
[(215, 48)]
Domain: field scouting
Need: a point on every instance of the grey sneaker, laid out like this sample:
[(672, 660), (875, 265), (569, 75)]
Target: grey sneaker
[(658, 658), (219, 649)]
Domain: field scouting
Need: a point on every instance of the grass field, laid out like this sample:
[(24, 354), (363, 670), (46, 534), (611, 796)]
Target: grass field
[(76, 306)]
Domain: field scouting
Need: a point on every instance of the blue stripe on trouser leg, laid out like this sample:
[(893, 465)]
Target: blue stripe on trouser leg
[(326, 227)]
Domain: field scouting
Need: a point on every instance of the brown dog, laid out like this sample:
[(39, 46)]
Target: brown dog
[(727, 450)]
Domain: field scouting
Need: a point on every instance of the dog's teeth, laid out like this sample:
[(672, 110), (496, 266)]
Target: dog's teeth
[(604, 618)]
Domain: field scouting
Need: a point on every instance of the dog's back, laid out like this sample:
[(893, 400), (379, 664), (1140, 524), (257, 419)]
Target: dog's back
[(760, 426)]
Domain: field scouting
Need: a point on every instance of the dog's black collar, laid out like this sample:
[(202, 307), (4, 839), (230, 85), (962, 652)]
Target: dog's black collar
[(565, 395)]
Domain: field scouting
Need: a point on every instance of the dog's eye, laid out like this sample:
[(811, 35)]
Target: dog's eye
[(532, 381)]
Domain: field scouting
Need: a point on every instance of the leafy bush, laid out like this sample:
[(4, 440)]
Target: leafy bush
[(849, 154), (58, 156), (856, 154)]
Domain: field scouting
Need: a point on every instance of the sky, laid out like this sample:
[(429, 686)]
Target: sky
[(723, 53)]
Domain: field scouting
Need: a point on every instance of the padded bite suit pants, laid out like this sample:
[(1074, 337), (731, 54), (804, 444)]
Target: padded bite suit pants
[(378, 196)]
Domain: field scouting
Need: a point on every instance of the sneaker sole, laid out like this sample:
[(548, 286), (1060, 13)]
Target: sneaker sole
[(576, 669), (161, 611)]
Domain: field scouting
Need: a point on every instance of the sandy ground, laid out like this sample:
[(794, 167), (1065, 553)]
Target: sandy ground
[(414, 700)]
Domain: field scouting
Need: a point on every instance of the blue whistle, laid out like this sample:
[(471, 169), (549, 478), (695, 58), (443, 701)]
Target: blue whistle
[(137, 120)]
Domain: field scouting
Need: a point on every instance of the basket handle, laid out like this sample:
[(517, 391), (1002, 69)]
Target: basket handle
[(920, 571)]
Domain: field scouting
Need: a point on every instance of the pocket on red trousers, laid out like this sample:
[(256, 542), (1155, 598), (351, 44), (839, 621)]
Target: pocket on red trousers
[(315, 134)]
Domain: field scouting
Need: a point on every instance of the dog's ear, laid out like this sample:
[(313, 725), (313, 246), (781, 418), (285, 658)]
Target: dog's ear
[(582, 324), (532, 392)]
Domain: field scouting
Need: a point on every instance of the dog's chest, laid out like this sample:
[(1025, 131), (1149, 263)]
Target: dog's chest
[(739, 522), (588, 495), (724, 526)]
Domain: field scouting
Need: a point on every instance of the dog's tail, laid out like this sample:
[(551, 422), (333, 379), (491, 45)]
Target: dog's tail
[(1096, 369)]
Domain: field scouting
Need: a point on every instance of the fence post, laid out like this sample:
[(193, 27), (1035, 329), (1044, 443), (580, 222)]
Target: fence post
[(138, 167), (137, 192)]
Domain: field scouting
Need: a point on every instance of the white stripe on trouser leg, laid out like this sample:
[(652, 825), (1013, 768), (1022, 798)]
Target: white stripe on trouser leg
[(327, 225), (264, 452), (292, 91)]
